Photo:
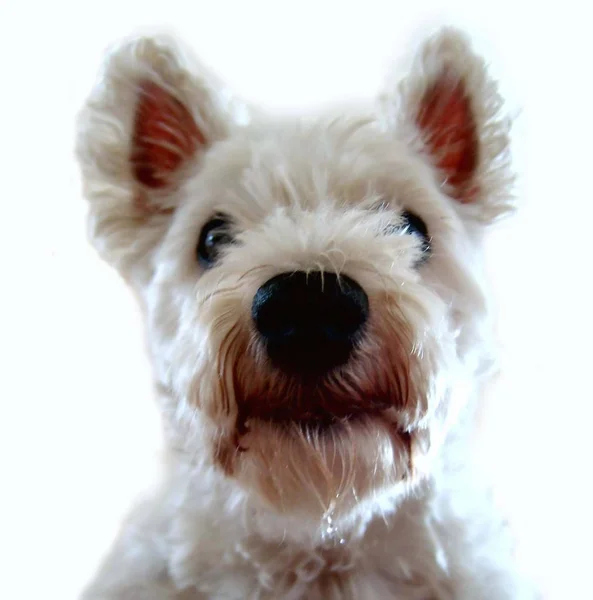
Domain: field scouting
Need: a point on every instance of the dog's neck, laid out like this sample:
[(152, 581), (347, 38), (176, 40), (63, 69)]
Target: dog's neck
[(264, 547), (397, 537)]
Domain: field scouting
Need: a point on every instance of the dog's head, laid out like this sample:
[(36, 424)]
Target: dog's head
[(312, 287)]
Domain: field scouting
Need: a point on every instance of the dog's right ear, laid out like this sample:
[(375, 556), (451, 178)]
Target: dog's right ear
[(147, 124)]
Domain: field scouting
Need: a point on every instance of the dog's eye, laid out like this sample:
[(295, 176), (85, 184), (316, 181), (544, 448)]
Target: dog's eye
[(412, 224), (214, 236)]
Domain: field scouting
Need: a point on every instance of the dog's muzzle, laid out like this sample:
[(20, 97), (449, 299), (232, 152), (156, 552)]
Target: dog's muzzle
[(310, 322)]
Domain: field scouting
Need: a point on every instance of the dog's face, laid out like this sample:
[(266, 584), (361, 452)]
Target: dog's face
[(312, 287)]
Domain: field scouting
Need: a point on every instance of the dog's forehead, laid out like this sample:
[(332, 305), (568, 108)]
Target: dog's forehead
[(335, 152), (306, 163)]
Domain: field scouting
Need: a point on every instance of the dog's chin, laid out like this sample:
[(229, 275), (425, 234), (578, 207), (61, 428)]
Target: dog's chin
[(313, 468)]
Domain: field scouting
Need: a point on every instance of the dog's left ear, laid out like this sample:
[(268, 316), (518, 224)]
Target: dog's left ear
[(449, 110)]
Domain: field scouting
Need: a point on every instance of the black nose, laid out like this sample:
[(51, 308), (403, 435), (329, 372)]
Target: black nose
[(309, 321)]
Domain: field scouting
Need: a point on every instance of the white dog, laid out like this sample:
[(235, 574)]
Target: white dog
[(318, 326)]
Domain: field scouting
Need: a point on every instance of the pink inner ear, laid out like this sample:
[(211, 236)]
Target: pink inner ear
[(165, 136), (446, 120)]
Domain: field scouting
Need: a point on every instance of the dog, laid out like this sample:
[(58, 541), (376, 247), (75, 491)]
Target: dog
[(319, 327)]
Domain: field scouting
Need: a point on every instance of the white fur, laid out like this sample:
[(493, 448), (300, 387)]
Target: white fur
[(303, 514)]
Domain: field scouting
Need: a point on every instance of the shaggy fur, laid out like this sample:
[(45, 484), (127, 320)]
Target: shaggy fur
[(384, 505)]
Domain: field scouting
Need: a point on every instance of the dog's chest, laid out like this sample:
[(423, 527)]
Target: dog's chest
[(256, 569)]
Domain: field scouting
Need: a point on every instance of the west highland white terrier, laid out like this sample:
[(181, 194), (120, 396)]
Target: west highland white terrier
[(318, 324)]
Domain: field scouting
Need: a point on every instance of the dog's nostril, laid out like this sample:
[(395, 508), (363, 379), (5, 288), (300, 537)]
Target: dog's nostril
[(309, 321)]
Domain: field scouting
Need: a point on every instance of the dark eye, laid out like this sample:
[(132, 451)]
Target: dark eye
[(414, 225), (214, 236)]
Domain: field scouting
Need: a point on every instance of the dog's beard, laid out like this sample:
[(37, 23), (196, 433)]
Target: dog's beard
[(311, 472), (330, 446)]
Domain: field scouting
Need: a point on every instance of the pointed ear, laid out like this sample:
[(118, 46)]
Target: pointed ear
[(449, 110), (143, 131)]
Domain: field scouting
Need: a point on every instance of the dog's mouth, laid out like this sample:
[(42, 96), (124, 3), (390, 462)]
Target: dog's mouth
[(320, 401), (309, 441), (311, 405), (365, 388), (301, 456)]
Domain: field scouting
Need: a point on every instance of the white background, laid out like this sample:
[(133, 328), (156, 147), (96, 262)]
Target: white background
[(78, 431)]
